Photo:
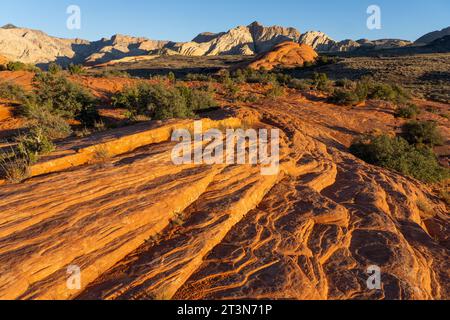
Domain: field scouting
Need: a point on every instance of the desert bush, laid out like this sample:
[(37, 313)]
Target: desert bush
[(345, 83), (386, 92), (65, 98), (249, 98), (171, 77), (231, 88), (275, 91), (407, 112), (283, 78), (257, 76), (20, 66), (14, 168), (422, 132), (12, 91), (397, 154), (321, 82), (34, 144), (113, 74), (197, 99), (322, 60), (362, 90), (344, 97), (160, 102), (198, 77), (299, 84), (53, 125), (75, 69), (54, 68)]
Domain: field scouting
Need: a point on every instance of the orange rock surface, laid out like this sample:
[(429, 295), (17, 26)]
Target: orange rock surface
[(285, 55), (140, 227)]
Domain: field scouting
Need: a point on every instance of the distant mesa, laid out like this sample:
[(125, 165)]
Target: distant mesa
[(432, 36), (441, 44), (285, 55)]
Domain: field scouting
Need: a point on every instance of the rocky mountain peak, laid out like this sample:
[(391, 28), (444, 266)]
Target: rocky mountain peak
[(9, 26)]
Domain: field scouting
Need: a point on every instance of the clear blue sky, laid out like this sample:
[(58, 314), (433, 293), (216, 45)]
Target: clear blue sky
[(181, 20)]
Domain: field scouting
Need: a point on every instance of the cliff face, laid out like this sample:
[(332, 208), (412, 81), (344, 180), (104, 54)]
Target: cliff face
[(32, 46), (323, 43)]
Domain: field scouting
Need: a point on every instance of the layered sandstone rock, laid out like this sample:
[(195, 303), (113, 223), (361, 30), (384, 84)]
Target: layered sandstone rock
[(323, 43), (285, 55), (140, 227)]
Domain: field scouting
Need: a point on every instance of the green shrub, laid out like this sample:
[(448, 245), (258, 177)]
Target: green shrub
[(232, 89), (75, 69), (362, 90), (322, 60), (160, 102), (54, 68), (20, 66), (386, 92), (34, 144), (171, 77), (197, 99), (344, 97), (422, 132), (275, 91), (344, 83), (407, 112), (14, 168), (258, 76), (397, 154), (321, 82), (113, 74), (197, 77), (53, 125), (299, 84), (65, 98), (12, 91)]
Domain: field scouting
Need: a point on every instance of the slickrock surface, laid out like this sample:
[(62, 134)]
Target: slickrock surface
[(285, 55), (141, 227)]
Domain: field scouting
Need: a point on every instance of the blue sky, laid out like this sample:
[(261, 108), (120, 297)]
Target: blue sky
[(181, 20)]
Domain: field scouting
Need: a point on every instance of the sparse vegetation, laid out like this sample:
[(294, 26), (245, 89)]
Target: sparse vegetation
[(34, 144), (351, 93), (422, 132), (113, 74), (321, 82), (397, 154), (20, 66), (54, 68), (75, 69), (40, 116), (64, 98), (344, 97), (12, 91), (160, 102), (299, 84), (410, 111), (13, 166), (275, 91)]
